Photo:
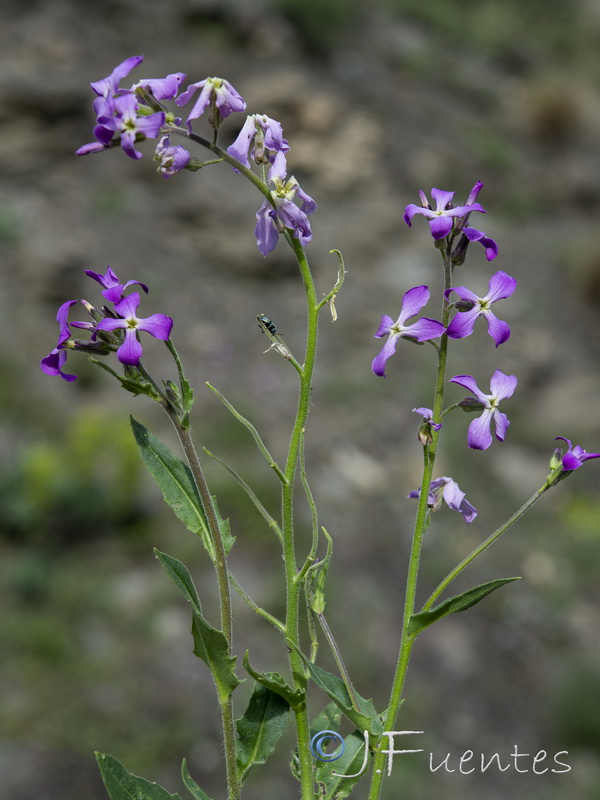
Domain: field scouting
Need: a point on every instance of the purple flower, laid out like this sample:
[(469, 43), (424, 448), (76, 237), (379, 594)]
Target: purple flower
[(158, 325), (449, 491), (501, 286), (472, 235), (120, 116), (113, 288), (170, 158), (53, 363), (266, 134), (420, 331), (216, 90), (501, 386), (270, 220), (441, 219), (427, 415), (574, 457)]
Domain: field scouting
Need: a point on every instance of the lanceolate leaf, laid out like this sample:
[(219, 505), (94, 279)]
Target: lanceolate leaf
[(350, 763), (211, 646), (122, 785), (191, 784), (275, 682), (175, 482), (259, 729), (181, 578), (453, 605), (366, 718), (329, 719)]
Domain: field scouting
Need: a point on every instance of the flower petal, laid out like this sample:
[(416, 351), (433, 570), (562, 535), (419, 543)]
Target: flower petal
[(501, 286), (440, 226), (412, 302), (380, 360), (479, 436), (385, 326), (130, 352), (424, 329), (469, 383), (157, 325), (503, 386), (497, 328), (463, 323), (501, 422)]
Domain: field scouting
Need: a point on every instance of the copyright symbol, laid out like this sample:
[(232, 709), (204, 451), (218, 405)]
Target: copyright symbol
[(321, 739)]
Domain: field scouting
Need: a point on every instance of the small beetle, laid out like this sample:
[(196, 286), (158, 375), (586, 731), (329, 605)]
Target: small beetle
[(269, 324)]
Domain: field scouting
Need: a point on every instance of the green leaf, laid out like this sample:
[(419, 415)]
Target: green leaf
[(350, 763), (329, 719), (175, 481), (224, 527), (259, 729), (122, 785), (181, 578), (211, 646), (191, 784), (366, 718), (275, 683), (453, 605)]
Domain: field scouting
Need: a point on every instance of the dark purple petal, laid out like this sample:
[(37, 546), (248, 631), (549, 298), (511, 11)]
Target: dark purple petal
[(110, 324), (157, 325), (501, 286), (474, 193), (440, 226), (463, 323), (61, 318), (52, 364), (412, 302), (570, 461), (380, 360), (130, 352), (491, 248), (410, 211), (479, 436), (127, 307), (502, 386)]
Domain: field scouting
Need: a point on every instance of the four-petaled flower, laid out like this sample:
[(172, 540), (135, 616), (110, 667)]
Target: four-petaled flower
[(113, 288), (270, 220), (442, 218), (420, 331), (121, 116), (217, 90), (450, 492), (158, 325), (501, 286), (501, 386), (574, 457)]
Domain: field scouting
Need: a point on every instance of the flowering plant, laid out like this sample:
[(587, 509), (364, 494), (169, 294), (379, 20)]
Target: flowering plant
[(127, 117)]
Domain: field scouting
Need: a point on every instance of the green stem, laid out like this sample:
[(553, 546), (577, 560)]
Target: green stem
[(220, 563), (429, 453), (489, 541), (293, 584)]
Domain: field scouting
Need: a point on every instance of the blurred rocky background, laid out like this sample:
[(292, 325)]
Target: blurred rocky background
[(378, 100)]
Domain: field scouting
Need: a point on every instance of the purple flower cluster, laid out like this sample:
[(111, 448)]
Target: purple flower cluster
[(128, 116), (122, 326)]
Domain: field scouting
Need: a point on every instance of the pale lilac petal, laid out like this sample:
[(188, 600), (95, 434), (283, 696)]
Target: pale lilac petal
[(502, 386), (385, 326), (412, 302), (130, 352), (463, 323), (191, 89), (239, 149), (201, 103), (442, 198), (497, 328), (501, 286), (308, 204), (501, 422), (110, 84), (468, 511), (479, 436), (267, 235), (424, 329), (128, 144), (380, 360), (463, 293), (440, 226), (162, 88), (469, 383), (150, 126), (91, 147), (295, 219), (158, 325)]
